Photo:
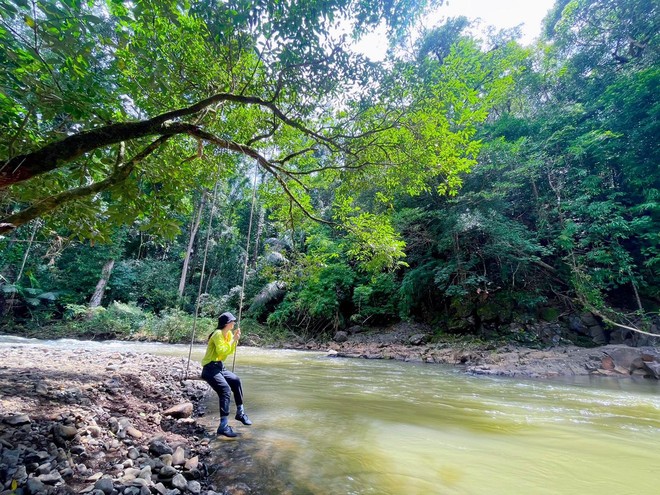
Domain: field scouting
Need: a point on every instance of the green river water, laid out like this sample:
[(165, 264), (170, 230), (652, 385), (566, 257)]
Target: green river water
[(346, 426)]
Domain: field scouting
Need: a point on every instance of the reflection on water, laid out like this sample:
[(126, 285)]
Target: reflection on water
[(338, 426)]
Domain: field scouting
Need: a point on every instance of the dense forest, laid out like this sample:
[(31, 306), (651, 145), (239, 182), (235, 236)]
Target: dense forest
[(158, 156)]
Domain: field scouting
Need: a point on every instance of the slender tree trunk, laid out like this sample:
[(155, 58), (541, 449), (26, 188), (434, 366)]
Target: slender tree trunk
[(95, 301), (191, 242), (257, 235), (37, 224)]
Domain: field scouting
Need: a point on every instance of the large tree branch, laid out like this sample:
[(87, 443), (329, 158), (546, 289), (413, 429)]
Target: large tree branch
[(49, 204), (54, 155), (252, 153)]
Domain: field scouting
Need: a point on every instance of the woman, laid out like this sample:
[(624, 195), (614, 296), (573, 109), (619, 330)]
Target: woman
[(221, 344)]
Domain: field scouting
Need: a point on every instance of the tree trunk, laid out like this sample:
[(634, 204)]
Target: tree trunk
[(191, 242), (260, 228), (27, 250), (95, 301)]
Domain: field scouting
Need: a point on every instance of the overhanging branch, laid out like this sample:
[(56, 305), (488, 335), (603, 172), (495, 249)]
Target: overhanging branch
[(49, 204)]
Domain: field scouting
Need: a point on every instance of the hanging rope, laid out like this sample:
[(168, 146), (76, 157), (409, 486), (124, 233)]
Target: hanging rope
[(201, 278), (247, 257), (245, 266)]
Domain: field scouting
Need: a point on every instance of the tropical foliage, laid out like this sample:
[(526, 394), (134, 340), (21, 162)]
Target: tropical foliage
[(466, 181)]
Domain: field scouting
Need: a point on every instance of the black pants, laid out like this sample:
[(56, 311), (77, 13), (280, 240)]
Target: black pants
[(224, 382)]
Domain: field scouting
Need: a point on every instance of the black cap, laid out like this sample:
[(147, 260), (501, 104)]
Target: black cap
[(225, 318)]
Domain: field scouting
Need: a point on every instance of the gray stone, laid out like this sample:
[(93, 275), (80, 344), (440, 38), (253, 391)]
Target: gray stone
[(159, 447), (418, 339), (589, 319), (179, 482), (50, 478), (133, 453), (167, 472), (10, 457), (66, 432), (105, 485), (160, 488), (145, 473), (44, 468), (140, 482), (597, 335), (17, 420), (35, 485), (166, 459), (575, 324), (67, 472), (179, 457), (340, 336), (194, 487), (41, 388), (20, 475)]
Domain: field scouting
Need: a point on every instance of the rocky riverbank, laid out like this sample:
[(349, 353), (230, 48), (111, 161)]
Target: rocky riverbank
[(411, 342), (103, 423), (110, 423)]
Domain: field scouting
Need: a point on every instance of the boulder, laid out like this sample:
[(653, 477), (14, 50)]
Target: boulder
[(340, 336), (183, 410)]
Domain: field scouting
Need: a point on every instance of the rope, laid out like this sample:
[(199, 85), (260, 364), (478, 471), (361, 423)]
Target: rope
[(245, 266), (247, 257), (201, 278)]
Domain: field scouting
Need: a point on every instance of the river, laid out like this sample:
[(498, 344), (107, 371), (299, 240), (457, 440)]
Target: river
[(342, 426)]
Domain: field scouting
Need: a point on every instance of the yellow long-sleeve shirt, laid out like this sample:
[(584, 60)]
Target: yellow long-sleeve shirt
[(219, 347)]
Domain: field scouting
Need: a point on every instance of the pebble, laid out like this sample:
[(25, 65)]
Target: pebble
[(66, 432), (194, 487), (105, 485), (178, 481), (50, 478), (159, 447), (178, 457), (17, 420), (167, 472), (35, 485), (192, 463)]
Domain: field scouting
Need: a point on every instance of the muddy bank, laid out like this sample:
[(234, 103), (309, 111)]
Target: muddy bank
[(411, 342), (103, 423)]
